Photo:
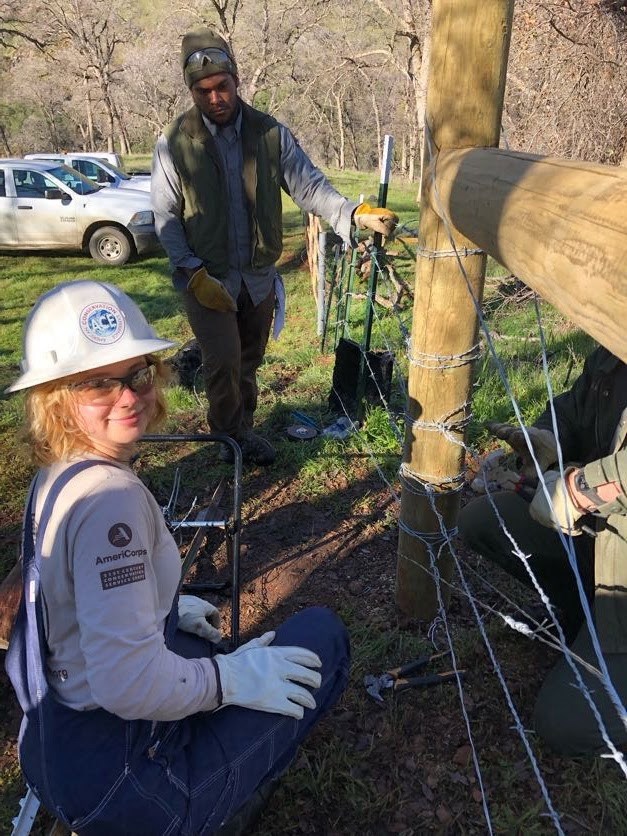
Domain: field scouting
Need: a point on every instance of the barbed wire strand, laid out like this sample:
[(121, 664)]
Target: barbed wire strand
[(441, 426), (499, 673), (567, 544)]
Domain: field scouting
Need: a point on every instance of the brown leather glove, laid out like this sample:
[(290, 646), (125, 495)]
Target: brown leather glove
[(210, 292), (375, 218), (543, 441)]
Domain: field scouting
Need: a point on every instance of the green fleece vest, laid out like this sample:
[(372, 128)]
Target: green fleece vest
[(205, 197)]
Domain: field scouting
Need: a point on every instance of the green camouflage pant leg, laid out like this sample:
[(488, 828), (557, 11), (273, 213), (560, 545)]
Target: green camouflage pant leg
[(563, 717), (480, 529)]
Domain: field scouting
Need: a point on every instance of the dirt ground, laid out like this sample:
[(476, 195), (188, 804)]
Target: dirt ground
[(407, 767)]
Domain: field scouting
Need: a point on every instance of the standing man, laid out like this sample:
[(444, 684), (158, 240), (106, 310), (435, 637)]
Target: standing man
[(217, 175)]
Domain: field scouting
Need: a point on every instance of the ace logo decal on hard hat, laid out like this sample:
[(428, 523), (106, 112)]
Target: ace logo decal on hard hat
[(102, 323)]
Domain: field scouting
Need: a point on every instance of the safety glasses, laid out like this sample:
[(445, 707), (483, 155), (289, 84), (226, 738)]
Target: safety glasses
[(105, 391), (212, 55)]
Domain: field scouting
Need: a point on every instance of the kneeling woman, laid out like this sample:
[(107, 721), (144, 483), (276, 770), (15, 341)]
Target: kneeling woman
[(121, 733)]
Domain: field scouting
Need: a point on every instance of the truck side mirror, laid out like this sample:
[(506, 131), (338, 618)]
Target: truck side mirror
[(53, 194)]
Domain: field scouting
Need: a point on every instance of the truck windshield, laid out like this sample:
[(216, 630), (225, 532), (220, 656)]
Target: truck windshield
[(74, 180), (121, 174)]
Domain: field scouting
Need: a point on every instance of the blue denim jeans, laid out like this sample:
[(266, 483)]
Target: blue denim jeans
[(107, 777)]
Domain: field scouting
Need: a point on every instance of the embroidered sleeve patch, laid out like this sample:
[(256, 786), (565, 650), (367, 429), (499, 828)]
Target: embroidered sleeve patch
[(123, 575)]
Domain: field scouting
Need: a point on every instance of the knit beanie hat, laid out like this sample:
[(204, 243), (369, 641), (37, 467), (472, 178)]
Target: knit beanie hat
[(205, 53)]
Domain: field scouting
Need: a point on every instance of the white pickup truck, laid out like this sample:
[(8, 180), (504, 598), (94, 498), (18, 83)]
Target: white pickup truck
[(99, 170), (44, 206)]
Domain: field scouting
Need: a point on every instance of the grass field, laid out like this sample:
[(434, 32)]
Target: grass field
[(366, 772)]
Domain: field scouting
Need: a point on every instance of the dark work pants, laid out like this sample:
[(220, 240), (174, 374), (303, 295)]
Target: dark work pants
[(562, 717), (108, 777), (232, 346), (480, 529)]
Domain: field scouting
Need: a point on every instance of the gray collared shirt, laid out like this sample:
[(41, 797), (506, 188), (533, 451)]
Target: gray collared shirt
[(307, 186)]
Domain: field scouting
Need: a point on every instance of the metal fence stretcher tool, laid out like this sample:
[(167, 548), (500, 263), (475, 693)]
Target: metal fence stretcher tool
[(210, 518), (398, 679)]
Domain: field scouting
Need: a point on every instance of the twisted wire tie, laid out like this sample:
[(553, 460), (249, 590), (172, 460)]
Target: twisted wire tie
[(419, 484), (430, 538), (460, 252), (444, 361)]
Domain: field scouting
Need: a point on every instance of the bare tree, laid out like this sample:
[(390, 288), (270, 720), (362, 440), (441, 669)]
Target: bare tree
[(340, 76), (16, 25), (93, 32), (567, 79)]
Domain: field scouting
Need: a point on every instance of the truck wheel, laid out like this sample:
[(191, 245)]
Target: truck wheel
[(110, 245)]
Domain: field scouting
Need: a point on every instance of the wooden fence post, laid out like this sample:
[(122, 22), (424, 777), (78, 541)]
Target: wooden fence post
[(468, 62)]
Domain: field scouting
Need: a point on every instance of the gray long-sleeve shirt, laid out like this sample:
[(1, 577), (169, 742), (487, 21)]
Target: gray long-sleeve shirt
[(307, 186), (110, 569)]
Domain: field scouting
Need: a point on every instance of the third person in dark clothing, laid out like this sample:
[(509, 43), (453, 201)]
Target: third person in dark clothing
[(590, 502)]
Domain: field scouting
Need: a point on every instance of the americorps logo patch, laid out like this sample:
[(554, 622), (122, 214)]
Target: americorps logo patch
[(102, 323), (120, 535)]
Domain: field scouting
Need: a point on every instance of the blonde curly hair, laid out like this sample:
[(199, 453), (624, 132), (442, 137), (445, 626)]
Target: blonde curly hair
[(51, 431)]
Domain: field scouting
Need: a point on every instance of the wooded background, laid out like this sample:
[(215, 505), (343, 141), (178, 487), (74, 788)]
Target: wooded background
[(96, 75)]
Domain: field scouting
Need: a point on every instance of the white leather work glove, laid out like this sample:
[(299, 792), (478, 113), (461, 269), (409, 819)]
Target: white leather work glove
[(199, 617), (269, 678), (210, 292), (375, 218), (543, 441), (561, 512)]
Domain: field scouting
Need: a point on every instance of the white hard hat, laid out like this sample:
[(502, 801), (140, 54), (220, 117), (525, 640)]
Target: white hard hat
[(82, 325)]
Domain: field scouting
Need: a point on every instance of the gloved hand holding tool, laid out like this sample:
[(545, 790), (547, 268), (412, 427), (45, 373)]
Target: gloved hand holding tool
[(210, 292), (199, 617), (397, 680), (267, 678), (543, 441), (559, 511), (496, 473), (376, 218)]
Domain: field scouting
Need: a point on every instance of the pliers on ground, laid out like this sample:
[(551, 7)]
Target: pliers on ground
[(398, 679)]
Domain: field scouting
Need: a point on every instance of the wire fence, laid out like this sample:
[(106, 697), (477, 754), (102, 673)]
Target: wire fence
[(344, 312)]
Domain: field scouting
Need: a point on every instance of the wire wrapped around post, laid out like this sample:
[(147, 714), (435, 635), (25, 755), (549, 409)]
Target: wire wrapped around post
[(463, 109)]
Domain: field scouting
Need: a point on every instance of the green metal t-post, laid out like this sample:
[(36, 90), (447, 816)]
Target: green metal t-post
[(375, 269)]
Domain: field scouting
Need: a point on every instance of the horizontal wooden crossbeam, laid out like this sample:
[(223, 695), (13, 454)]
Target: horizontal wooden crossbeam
[(559, 225)]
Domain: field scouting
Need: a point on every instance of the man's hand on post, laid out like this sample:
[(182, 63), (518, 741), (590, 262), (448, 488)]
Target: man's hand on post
[(543, 442), (210, 292), (375, 218)]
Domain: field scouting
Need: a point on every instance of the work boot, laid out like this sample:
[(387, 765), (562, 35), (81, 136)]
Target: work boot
[(255, 450)]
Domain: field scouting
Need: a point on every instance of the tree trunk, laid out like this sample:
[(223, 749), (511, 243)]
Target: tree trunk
[(341, 131), (90, 116), (5, 141), (403, 163), (377, 120)]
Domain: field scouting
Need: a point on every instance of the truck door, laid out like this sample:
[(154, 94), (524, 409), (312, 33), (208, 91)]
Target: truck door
[(41, 222), (8, 230)]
